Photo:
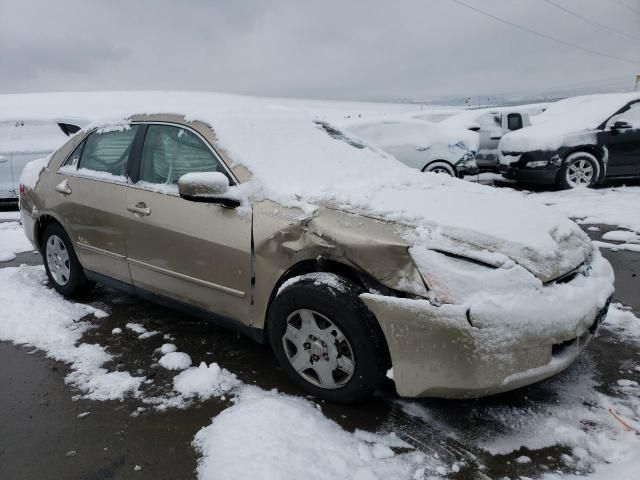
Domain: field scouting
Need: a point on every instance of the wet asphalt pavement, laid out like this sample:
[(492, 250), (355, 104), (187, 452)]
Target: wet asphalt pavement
[(41, 436)]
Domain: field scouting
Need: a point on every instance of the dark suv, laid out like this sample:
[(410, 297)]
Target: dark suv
[(577, 141)]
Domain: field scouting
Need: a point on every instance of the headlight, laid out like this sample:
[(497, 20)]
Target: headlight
[(537, 163), (458, 280)]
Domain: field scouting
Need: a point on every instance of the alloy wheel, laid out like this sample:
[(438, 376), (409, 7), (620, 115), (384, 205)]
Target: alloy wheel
[(57, 257), (317, 349), (580, 172)]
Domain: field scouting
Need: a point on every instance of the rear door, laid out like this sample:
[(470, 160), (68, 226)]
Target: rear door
[(90, 192), (196, 253)]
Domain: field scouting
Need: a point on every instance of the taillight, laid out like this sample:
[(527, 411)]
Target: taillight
[(21, 188)]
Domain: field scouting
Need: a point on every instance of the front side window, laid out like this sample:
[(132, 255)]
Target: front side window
[(108, 151), (630, 116), (514, 121), (170, 152)]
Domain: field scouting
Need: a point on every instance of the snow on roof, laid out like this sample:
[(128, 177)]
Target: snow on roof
[(400, 130), (469, 118), (564, 118), (294, 161)]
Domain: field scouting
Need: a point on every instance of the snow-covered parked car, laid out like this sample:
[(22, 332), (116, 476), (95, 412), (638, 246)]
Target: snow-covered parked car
[(24, 140), (420, 144), (491, 124), (577, 141), (342, 258)]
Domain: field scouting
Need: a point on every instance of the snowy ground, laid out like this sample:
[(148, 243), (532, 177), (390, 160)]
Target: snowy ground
[(558, 428)]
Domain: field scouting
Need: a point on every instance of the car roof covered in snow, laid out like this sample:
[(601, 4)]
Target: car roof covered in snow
[(566, 117), (295, 161), (403, 130)]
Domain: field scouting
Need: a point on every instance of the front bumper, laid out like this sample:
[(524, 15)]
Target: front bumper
[(467, 169), (436, 351), (544, 176)]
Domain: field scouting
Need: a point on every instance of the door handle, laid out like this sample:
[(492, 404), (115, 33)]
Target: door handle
[(140, 208), (63, 187)]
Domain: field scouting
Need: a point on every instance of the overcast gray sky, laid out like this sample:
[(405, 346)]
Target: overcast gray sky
[(358, 49)]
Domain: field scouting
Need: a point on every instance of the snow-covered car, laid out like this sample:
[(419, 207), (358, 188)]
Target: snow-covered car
[(420, 144), (577, 141), (491, 124), (343, 259), (24, 140)]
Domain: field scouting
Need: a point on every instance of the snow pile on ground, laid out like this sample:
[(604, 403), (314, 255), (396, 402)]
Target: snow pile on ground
[(53, 324), (175, 361), (9, 215), (204, 381), (624, 323), (619, 206), (12, 241), (140, 330), (270, 435)]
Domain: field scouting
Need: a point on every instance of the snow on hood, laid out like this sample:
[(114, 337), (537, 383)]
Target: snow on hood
[(567, 122), (295, 161)]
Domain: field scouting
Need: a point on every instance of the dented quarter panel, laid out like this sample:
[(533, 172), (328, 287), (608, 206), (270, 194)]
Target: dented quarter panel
[(284, 237)]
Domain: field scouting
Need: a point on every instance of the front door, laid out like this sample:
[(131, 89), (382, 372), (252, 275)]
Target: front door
[(90, 194), (623, 144), (196, 253)]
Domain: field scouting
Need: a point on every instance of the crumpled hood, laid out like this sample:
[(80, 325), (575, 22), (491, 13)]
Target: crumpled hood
[(491, 225)]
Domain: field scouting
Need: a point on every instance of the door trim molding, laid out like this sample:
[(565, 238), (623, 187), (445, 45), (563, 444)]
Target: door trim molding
[(181, 276), (93, 249)]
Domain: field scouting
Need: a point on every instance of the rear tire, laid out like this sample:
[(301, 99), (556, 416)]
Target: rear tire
[(61, 263), (326, 339), (579, 169), (441, 167)]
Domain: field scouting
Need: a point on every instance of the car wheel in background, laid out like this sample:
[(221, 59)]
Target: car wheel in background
[(61, 264), (326, 339), (440, 166), (579, 169)]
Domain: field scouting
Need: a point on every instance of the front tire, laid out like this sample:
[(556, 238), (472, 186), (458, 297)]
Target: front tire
[(441, 167), (61, 263), (326, 339), (579, 169)]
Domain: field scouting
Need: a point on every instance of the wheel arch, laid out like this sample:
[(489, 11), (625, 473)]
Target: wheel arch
[(42, 223), (441, 160), (595, 150), (321, 264)]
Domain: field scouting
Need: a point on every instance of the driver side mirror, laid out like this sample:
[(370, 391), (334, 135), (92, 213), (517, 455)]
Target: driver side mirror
[(208, 187), (620, 125)]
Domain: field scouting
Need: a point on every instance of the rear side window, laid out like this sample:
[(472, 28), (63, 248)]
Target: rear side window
[(108, 151), (514, 121), (170, 152)]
